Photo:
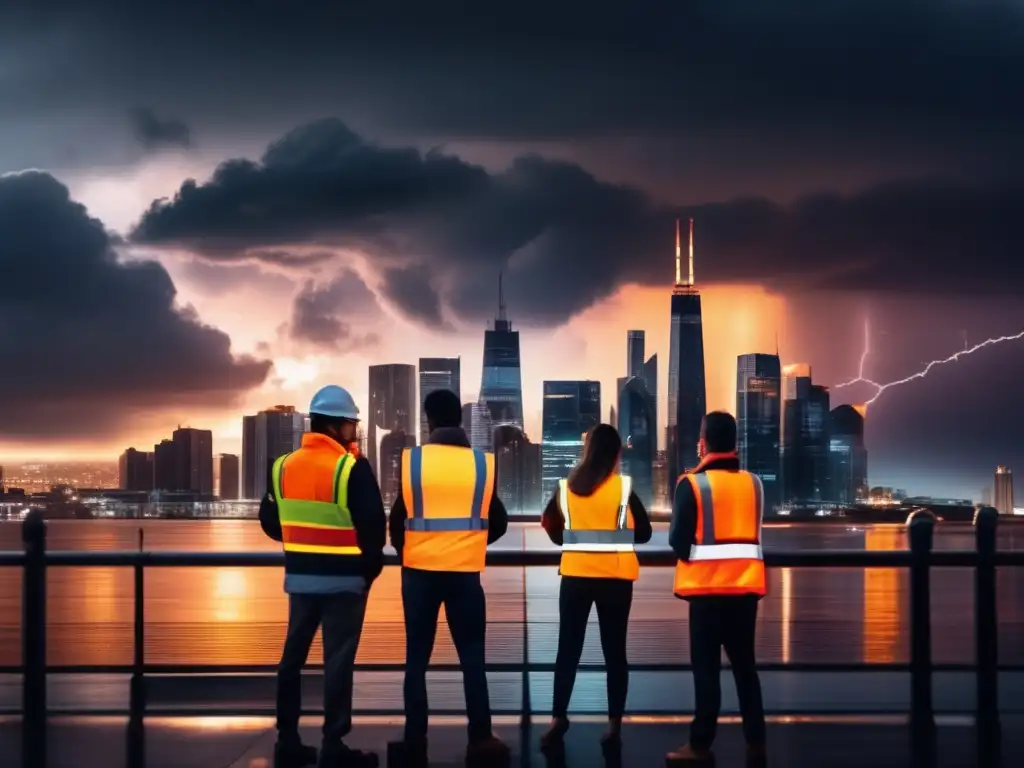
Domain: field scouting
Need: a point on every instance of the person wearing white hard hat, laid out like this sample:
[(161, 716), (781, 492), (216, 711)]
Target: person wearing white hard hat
[(325, 507)]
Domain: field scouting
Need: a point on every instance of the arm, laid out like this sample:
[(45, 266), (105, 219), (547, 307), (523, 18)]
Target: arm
[(367, 508), (683, 530), (642, 530), (396, 524), (553, 520), (497, 517), (270, 518)]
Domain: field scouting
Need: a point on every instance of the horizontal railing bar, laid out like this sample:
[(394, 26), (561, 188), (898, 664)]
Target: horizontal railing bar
[(835, 558), (200, 671)]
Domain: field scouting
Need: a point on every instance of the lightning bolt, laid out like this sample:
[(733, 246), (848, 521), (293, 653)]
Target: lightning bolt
[(880, 388)]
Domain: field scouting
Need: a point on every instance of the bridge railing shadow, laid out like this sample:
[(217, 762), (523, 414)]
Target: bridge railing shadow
[(919, 560)]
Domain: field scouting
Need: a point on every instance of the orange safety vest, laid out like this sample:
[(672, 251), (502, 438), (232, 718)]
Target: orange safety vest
[(726, 558), (598, 539), (447, 492), (311, 488)]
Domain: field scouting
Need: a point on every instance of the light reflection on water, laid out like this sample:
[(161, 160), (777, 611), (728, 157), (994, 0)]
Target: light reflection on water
[(237, 615)]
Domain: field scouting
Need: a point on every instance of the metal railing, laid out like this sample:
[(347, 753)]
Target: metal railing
[(919, 559)]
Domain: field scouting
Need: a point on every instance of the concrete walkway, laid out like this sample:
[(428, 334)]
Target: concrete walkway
[(235, 742)]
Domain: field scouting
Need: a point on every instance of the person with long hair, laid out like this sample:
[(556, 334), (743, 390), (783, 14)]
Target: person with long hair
[(596, 519)]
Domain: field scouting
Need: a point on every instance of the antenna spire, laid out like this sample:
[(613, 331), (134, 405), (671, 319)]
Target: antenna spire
[(690, 282), (679, 273), (501, 298)]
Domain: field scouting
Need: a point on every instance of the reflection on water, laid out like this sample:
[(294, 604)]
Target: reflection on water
[(237, 615)]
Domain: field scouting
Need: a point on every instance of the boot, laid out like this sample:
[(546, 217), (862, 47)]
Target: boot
[(340, 755), (292, 753), (554, 736), (491, 752), (407, 754)]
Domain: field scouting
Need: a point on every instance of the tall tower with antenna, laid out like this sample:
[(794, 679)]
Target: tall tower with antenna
[(687, 395), (501, 385)]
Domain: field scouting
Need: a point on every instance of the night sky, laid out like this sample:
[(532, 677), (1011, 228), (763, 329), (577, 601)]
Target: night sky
[(235, 203)]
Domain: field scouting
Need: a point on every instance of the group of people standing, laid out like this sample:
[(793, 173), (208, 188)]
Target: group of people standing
[(325, 506)]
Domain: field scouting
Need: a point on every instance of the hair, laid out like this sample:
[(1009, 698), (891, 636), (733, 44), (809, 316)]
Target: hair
[(325, 425), (601, 451), (443, 409), (719, 432)]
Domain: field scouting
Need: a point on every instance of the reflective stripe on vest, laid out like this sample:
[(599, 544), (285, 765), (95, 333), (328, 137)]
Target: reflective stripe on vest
[(621, 539), (317, 527), (708, 548), (417, 522)]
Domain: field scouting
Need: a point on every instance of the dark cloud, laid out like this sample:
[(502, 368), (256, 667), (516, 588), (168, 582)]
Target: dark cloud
[(91, 341), (323, 315), (565, 239), (155, 133), (213, 278)]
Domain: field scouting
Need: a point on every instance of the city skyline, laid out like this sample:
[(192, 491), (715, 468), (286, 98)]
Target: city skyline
[(310, 194)]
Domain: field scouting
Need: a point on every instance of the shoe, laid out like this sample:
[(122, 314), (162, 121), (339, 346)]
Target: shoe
[(555, 735), (687, 755), (293, 754), (407, 754), (343, 756), (611, 742), (491, 752)]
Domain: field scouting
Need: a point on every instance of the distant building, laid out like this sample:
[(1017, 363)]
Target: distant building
[(517, 465), (467, 417), (638, 429), (437, 373), (389, 474), (635, 341), (228, 471), (1003, 490), (193, 457), (164, 466), (659, 479), (135, 471), (266, 436), (759, 421), (480, 431), (392, 407), (501, 384), (986, 496), (571, 408), (805, 437), (848, 455)]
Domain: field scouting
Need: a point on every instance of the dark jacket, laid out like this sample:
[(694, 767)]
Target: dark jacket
[(553, 520), (367, 508), (682, 533), (497, 516)]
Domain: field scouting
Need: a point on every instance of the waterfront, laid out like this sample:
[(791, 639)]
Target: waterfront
[(237, 615)]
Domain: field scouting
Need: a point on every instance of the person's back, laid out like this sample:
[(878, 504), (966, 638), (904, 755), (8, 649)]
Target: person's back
[(597, 520), (440, 526), (716, 534)]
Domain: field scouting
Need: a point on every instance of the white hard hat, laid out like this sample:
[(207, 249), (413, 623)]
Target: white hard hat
[(335, 401)]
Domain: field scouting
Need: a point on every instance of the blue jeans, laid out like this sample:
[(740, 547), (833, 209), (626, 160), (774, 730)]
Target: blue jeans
[(423, 594)]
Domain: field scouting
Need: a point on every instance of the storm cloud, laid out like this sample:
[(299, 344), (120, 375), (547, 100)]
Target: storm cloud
[(323, 315), (90, 340), (438, 229), (155, 133)]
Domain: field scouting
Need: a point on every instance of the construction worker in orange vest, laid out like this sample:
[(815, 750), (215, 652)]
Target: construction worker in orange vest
[(447, 514), (716, 534), (597, 520), (325, 506)]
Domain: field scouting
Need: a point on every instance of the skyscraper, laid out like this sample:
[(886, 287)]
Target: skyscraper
[(227, 487), (164, 471), (517, 466), (193, 460), (265, 436), (634, 352), (392, 407), (805, 438), (389, 473), (571, 408), (1004, 490), (847, 455), (759, 421), (501, 385), (135, 470), (637, 416), (437, 373), (479, 429), (687, 399)]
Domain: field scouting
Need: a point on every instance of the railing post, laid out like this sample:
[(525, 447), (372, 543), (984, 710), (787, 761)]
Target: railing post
[(526, 719), (137, 691), (921, 526), (986, 644), (33, 641)]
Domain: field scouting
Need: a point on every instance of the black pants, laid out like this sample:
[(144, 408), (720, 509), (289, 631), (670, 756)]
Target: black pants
[(613, 597), (729, 623), (423, 594), (341, 615)]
